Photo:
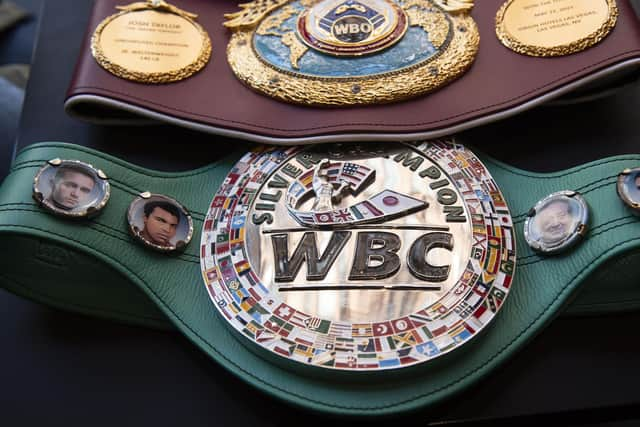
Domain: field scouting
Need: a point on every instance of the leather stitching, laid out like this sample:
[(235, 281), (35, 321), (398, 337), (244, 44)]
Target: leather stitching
[(398, 403), (94, 222), (142, 171), (582, 188), (168, 175), (187, 257), (114, 182), (547, 176), (522, 217), (520, 259), (633, 221), (481, 366)]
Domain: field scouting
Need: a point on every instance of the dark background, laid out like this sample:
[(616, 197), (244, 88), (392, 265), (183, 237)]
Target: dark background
[(63, 369)]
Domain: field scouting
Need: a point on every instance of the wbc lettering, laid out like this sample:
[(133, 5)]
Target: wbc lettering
[(361, 256), (375, 256)]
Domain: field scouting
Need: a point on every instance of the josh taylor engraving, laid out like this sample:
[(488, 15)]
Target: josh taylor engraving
[(175, 46)]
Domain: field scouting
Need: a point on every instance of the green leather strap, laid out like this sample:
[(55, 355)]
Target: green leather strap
[(96, 268), (611, 286)]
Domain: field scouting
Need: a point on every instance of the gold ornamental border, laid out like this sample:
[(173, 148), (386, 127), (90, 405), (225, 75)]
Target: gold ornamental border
[(577, 46), (150, 78), (406, 83)]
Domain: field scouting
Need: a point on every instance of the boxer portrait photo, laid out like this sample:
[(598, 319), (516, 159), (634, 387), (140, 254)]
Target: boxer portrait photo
[(557, 222), (70, 188), (160, 222)]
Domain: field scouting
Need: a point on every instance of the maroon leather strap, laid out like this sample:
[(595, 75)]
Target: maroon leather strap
[(499, 83)]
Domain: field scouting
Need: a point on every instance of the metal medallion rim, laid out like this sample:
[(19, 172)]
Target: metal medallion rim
[(136, 235), (512, 43), (621, 188), (576, 235), (156, 77), (89, 211)]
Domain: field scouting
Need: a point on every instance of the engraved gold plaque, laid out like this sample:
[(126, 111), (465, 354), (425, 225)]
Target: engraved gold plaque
[(351, 52), (152, 42), (554, 27)]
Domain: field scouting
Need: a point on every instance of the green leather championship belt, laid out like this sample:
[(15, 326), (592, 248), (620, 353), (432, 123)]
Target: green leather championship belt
[(357, 279)]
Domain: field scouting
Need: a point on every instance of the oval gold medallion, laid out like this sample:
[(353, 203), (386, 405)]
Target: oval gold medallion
[(554, 28), (151, 42)]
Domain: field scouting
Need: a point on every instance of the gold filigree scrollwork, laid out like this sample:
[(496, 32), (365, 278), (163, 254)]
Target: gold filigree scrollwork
[(435, 24), (252, 13), (159, 5), (447, 24), (455, 6)]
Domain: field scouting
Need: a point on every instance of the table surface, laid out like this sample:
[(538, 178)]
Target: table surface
[(61, 367)]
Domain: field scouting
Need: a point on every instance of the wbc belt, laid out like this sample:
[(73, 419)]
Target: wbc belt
[(329, 266)]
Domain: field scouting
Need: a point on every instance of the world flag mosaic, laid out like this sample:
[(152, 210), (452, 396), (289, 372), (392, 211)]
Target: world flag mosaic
[(254, 296)]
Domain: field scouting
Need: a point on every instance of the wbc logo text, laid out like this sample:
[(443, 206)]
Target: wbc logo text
[(398, 237), (375, 256)]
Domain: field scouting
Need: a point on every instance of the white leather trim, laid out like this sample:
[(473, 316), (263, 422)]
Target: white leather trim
[(146, 114)]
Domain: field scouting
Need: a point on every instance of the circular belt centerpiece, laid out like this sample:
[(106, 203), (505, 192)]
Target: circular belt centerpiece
[(350, 52), (339, 27), (358, 257)]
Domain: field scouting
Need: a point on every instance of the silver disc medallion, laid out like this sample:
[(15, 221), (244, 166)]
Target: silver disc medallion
[(557, 223), (628, 187), (358, 257)]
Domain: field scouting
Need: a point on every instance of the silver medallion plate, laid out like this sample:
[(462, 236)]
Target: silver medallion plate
[(358, 257), (557, 222), (628, 186), (71, 188)]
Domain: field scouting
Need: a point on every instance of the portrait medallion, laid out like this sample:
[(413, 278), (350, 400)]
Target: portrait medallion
[(151, 42), (349, 52), (628, 187), (71, 188), (358, 257), (557, 222), (159, 222)]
